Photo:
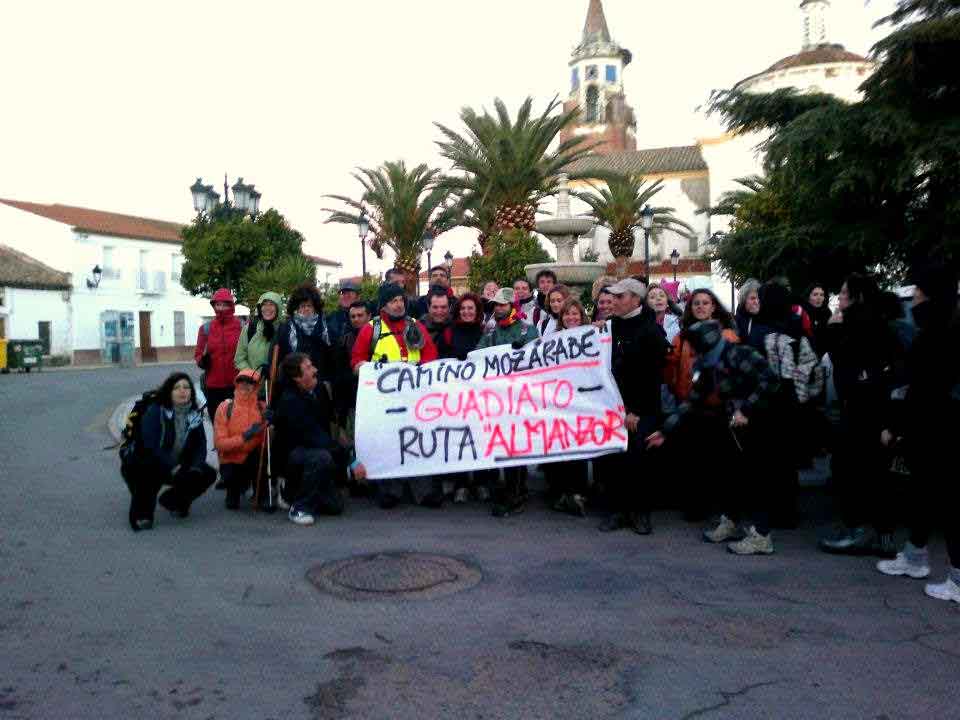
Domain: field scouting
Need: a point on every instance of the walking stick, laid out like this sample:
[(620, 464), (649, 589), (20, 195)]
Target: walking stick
[(265, 447)]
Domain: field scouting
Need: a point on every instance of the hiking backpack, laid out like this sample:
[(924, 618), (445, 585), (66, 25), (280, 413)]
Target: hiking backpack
[(131, 437)]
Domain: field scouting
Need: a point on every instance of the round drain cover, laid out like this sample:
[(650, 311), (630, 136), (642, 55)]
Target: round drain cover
[(397, 575)]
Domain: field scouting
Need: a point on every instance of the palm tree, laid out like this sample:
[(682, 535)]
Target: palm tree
[(402, 205), (619, 204), (732, 200), (507, 166)]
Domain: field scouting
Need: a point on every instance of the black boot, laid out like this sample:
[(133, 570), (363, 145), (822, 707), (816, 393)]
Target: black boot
[(615, 522), (640, 523)]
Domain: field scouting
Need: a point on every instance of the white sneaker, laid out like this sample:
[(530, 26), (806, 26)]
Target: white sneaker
[(300, 517), (725, 530), (947, 590), (901, 566), (461, 496), (753, 544)]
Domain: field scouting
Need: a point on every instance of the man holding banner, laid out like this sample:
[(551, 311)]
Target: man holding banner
[(638, 356), (506, 406)]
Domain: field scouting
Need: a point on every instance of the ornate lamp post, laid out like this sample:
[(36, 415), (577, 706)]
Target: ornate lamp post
[(246, 199), (363, 229), (428, 248), (675, 261), (646, 219), (448, 261)]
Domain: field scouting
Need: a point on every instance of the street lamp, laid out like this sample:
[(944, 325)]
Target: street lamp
[(363, 228), (448, 261), (646, 219), (675, 260), (428, 247), (199, 192), (246, 199)]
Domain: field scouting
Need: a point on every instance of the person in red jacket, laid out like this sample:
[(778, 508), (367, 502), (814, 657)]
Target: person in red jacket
[(216, 347), (401, 338)]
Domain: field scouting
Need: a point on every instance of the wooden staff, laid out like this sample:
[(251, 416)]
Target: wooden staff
[(266, 440)]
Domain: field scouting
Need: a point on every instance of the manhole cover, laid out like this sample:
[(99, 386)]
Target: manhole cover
[(386, 576)]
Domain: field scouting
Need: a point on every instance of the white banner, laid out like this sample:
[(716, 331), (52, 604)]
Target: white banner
[(553, 400)]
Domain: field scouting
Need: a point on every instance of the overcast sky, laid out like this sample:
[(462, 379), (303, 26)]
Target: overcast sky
[(120, 105)]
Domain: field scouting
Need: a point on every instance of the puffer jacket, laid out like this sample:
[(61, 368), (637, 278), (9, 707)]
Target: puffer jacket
[(218, 340), (254, 352), (159, 433), (228, 431)]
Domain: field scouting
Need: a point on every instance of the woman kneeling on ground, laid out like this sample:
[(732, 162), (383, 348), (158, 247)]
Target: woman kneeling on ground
[(238, 435), (173, 452)]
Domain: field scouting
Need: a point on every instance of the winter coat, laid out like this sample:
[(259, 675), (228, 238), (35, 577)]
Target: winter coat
[(670, 324), (316, 345), (219, 345), (515, 332), (678, 372), (442, 335), (347, 383), (741, 381), (303, 420), (362, 351), (548, 324), (527, 309), (465, 339), (159, 433), (819, 318), (637, 359), (749, 329), (228, 431), (254, 352), (338, 322)]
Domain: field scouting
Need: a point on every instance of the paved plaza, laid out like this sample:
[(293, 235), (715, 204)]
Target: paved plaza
[(230, 615)]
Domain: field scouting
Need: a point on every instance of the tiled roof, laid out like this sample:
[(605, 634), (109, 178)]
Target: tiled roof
[(595, 28), (104, 223), (820, 55), (461, 268), (22, 271), (654, 161), (323, 261)]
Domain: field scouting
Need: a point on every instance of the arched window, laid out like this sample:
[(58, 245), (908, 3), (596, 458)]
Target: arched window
[(592, 110)]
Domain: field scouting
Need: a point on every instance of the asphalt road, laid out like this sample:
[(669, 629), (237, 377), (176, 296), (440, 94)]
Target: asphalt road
[(212, 616)]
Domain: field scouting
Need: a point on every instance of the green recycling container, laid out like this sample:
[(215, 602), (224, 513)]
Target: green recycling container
[(24, 355)]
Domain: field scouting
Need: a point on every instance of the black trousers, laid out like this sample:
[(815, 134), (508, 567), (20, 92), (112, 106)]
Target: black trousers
[(215, 396), (860, 469), (566, 478), (312, 482), (935, 493), (144, 479), (240, 477), (627, 476)]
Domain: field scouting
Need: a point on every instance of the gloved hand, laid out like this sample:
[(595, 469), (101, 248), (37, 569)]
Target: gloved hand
[(252, 431)]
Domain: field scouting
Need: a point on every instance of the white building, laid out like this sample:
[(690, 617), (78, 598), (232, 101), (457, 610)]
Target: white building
[(136, 296), (34, 302), (695, 176)]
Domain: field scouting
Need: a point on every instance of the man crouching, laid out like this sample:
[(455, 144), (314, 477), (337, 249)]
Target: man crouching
[(306, 445)]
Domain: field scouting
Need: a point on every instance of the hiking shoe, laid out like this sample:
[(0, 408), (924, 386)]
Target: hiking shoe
[(640, 523), (578, 505), (232, 501), (142, 524), (615, 522), (512, 506), (434, 501), (947, 590), (725, 530), (461, 496), (300, 517), (482, 493), (901, 565), (752, 544), (168, 501), (859, 541), (562, 504)]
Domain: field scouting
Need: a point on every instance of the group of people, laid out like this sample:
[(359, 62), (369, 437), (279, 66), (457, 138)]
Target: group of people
[(741, 401)]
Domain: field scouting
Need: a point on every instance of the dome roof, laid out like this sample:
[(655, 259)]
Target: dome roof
[(818, 55)]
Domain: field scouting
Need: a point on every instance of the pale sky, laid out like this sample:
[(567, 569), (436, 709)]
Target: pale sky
[(120, 105)]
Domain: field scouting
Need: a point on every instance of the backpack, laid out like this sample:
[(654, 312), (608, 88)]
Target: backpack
[(131, 437), (795, 362)]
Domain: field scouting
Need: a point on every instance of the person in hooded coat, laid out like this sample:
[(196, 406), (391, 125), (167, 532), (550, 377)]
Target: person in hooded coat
[(305, 331), (259, 335), (238, 432), (216, 348), (925, 429)]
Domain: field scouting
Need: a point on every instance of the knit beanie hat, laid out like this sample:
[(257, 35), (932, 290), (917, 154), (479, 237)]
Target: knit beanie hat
[(704, 336), (388, 291)]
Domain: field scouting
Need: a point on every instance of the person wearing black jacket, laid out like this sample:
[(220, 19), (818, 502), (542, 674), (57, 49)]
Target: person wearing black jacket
[(438, 320), (172, 451), (305, 331), (338, 322), (313, 459), (467, 327), (638, 357), (925, 429)]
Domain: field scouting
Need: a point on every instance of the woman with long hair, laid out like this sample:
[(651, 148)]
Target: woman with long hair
[(172, 450), (551, 321), (305, 331), (667, 317), (815, 302), (467, 326)]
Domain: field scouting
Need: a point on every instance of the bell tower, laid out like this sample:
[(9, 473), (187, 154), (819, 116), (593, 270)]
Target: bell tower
[(596, 87), (815, 14)]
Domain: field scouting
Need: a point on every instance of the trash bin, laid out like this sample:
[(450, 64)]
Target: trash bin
[(24, 355), (3, 355)]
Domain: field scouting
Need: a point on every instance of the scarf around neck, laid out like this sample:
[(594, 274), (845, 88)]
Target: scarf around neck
[(509, 319), (306, 325)]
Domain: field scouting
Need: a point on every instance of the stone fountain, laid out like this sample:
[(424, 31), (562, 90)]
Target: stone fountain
[(565, 231)]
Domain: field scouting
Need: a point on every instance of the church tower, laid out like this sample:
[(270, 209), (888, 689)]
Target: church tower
[(596, 87)]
